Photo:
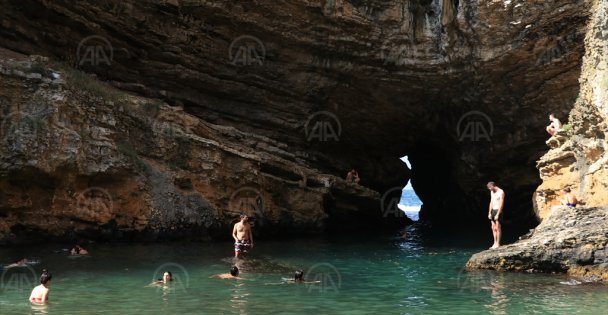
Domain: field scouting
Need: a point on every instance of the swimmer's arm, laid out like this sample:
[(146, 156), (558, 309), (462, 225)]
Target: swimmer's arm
[(234, 233)]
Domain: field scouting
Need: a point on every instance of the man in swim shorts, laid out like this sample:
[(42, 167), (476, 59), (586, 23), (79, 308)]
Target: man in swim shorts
[(243, 238), (497, 200)]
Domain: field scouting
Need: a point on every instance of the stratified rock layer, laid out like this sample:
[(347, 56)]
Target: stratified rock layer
[(82, 159), (400, 77)]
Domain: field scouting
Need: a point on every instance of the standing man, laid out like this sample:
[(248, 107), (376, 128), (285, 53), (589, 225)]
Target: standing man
[(243, 238), (497, 201)]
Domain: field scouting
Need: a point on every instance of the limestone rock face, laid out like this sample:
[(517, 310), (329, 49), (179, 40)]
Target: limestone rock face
[(580, 161), (569, 240), (462, 87), (82, 159)]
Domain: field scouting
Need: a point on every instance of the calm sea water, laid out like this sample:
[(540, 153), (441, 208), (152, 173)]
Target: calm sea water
[(358, 275), (410, 204)]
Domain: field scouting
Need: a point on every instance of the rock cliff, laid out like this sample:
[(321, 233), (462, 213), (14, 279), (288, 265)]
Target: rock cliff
[(82, 159), (462, 87), (571, 239)]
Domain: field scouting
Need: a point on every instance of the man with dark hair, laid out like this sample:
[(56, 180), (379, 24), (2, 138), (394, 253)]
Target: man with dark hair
[(554, 126), (243, 238), (497, 201), (234, 274)]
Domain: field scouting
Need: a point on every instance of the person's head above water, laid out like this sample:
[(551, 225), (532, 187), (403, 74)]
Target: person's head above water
[(167, 276), (46, 277), (299, 275), (234, 271)]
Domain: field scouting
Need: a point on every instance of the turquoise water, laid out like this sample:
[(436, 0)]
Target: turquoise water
[(359, 275)]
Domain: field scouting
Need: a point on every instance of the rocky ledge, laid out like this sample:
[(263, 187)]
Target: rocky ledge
[(570, 240)]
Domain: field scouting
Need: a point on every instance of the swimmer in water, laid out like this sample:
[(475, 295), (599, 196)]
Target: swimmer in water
[(298, 277), (166, 279), (78, 250), (40, 294), (234, 274), (18, 263)]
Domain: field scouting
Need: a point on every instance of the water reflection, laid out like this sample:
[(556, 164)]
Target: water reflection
[(39, 309), (239, 297), (500, 300)]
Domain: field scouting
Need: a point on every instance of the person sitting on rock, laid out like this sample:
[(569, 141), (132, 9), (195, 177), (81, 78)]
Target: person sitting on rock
[(554, 126), (353, 177), (78, 250), (569, 198)]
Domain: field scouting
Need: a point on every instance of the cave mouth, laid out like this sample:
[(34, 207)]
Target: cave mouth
[(455, 203), (409, 201)]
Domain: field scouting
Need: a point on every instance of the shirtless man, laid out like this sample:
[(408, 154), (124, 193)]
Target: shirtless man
[(497, 201), (353, 177), (234, 274), (243, 238), (569, 198), (555, 125)]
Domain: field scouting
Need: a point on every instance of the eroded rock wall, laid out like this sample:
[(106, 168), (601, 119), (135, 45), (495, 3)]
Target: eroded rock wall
[(398, 76), (568, 239), (82, 159), (579, 156)]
